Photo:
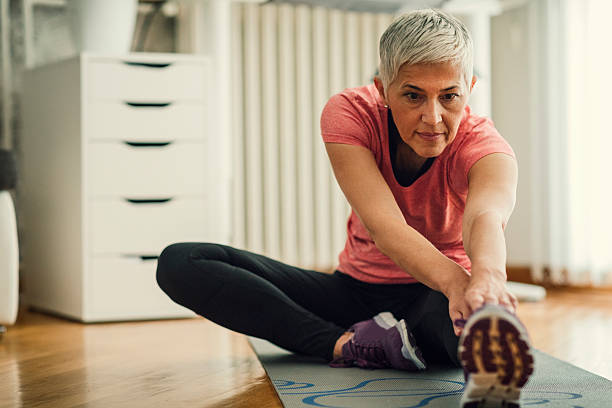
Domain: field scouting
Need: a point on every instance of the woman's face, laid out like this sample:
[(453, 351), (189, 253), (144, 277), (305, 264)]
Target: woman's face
[(427, 101)]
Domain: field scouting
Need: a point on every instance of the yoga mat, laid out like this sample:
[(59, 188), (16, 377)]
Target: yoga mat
[(302, 381)]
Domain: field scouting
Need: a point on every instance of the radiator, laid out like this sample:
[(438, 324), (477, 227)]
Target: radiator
[(287, 61)]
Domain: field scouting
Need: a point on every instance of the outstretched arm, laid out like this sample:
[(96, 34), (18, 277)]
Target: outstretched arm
[(373, 202), (492, 183)]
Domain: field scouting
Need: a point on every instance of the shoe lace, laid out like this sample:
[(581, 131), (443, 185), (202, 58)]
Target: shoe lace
[(369, 355)]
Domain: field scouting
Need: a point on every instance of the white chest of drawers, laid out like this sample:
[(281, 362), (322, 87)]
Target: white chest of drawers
[(119, 160)]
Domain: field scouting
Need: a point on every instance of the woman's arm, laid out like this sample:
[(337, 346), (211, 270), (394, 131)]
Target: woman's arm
[(492, 183), (372, 200)]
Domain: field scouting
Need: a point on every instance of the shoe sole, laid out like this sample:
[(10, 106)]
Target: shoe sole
[(387, 320), (409, 345), (495, 352)]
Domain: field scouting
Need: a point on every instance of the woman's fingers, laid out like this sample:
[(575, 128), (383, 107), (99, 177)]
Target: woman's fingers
[(482, 292), (510, 302), (459, 313), (475, 299), (513, 300), (456, 318)]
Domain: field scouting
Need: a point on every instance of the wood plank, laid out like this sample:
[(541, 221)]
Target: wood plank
[(573, 325), (50, 362)]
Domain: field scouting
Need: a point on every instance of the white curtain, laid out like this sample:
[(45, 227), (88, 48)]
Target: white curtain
[(588, 107), (571, 234)]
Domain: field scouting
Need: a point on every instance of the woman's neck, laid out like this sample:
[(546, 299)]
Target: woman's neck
[(406, 159)]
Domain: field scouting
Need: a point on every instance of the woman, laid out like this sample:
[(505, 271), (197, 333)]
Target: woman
[(431, 188)]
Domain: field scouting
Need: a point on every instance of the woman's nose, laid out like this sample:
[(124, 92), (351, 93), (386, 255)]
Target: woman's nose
[(432, 113)]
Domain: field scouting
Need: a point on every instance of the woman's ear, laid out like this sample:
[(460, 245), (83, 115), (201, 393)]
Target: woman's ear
[(381, 89), (473, 83)]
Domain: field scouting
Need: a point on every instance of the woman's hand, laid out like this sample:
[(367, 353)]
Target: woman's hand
[(487, 287), (467, 293), (458, 307)]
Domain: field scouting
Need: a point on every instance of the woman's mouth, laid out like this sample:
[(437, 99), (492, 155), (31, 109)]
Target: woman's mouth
[(429, 136)]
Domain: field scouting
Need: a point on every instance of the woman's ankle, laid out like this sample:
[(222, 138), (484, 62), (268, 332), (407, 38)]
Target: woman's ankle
[(340, 342)]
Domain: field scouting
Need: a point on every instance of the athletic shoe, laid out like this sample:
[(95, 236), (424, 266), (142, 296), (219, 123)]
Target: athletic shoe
[(496, 357), (381, 342)]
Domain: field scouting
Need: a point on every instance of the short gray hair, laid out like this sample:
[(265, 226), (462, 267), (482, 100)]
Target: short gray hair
[(425, 37)]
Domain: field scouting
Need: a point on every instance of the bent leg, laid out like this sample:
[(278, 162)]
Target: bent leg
[(424, 310), (434, 330), (426, 314), (300, 310)]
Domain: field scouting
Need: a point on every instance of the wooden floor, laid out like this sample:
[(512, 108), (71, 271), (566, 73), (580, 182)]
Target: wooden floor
[(51, 362)]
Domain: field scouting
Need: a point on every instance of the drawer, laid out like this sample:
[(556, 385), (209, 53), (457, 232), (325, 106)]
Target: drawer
[(125, 289), (146, 82), (137, 169), (119, 226), (123, 120)]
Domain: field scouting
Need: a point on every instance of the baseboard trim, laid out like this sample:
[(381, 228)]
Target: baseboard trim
[(520, 274), (523, 274)]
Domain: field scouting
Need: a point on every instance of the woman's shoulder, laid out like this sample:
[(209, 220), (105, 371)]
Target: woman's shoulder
[(354, 116), (476, 138), (472, 122), (361, 98), (361, 105), (474, 130)]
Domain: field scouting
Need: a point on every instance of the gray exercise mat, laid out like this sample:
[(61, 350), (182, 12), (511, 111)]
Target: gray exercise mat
[(302, 381)]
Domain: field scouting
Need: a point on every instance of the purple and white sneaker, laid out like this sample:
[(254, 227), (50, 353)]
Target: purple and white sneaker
[(496, 357), (381, 342)]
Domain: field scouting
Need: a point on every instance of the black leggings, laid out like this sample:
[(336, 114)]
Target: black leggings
[(300, 310)]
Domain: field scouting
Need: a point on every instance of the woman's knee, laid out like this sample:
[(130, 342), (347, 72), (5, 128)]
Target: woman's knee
[(170, 264), (439, 299), (175, 262)]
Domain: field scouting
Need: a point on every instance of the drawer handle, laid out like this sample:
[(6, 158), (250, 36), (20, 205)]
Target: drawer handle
[(148, 64), (148, 104), (148, 200), (148, 257), (143, 257), (147, 144)]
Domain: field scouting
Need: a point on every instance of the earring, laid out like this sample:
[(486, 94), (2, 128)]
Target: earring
[(386, 106)]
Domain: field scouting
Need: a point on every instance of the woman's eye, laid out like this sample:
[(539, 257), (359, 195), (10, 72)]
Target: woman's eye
[(412, 96), (449, 97)]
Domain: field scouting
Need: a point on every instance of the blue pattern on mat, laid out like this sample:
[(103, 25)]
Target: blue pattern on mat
[(423, 391)]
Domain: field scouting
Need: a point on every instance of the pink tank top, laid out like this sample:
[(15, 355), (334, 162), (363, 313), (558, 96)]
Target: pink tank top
[(433, 204)]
